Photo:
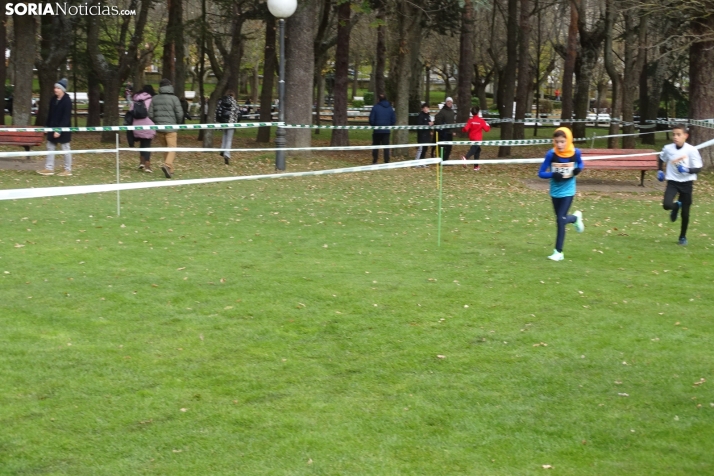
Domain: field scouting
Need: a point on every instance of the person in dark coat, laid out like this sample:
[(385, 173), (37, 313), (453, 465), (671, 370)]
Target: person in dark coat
[(446, 115), (423, 135), (382, 115), (59, 115)]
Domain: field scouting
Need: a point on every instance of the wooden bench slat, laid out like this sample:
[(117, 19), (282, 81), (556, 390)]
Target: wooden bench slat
[(640, 162)]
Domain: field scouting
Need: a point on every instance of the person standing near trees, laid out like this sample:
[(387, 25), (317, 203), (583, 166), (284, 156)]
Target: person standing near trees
[(228, 111), (423, 135), (59, 115), (445, 116), (165, 109), (141, 102), (382, 115)]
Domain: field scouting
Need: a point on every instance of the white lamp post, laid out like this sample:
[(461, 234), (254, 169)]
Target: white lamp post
[(281, 9)]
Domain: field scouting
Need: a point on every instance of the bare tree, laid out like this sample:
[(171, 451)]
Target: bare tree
[(123, 44), (525, 74), (299, 66), (24, 61), (466, 62), (55, 41), (340, 137), (269, 66)]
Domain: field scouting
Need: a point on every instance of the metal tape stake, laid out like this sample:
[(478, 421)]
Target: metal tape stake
[(118, 196)]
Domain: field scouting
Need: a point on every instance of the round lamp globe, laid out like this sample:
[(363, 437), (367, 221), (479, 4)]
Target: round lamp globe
[(282, 8)]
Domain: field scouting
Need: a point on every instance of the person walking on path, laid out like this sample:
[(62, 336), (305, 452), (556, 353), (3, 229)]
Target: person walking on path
[(475, 128), (59, 115), (561, 165), (445, 116), (227, 111), (165, 109), (683, 164), (145, 96), (382, 115)]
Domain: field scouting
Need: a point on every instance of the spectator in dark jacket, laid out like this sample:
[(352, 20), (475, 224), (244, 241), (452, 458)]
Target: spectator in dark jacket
[(446, 115), (423, 135), (59, 115), (165, 109), (382, 115)]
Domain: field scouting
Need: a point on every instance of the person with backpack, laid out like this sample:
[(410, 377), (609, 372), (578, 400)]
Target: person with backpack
[(227, 111), (165, 109), (141, 102)]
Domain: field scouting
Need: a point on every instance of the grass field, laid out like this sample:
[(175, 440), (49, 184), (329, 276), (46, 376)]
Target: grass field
[(313, 326)]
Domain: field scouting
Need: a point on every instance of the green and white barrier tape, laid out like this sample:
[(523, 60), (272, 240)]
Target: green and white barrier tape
[(176, 127), (313, 126)]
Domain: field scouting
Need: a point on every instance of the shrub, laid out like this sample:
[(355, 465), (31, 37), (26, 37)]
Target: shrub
[(369, 98), (475, 101), (357, 103)]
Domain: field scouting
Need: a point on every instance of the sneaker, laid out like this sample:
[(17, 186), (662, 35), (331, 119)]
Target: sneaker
[(46, 172), (167, 171), (226, 159), (65, 173), (221, 154), (683, 241), (148, 170), (463, 157), (141, 167), (556, 256), (579, 225), (673, 214), (477, 168)]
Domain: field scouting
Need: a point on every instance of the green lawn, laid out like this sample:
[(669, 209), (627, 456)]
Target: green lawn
[(313, 325)]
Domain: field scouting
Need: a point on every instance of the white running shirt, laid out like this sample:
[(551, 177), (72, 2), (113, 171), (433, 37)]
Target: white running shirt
[(688, 156)]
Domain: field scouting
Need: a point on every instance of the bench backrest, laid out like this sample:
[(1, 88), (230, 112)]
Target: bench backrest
[(29, 137), (649, 160)]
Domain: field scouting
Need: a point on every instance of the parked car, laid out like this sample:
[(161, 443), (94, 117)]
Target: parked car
[(597, 119), (9, 103)]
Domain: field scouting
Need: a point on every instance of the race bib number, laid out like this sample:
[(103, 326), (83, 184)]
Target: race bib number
[(566, 169)]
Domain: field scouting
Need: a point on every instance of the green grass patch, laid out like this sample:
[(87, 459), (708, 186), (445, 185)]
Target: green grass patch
[(314, 325)]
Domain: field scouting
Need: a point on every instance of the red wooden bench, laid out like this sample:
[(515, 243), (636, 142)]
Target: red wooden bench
[(22, 139), (642, 163)]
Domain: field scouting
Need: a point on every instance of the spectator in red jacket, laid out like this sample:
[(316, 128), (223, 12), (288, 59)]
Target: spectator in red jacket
[(475, 127)]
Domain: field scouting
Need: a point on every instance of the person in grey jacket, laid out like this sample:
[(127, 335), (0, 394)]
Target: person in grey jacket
[(165, 109)]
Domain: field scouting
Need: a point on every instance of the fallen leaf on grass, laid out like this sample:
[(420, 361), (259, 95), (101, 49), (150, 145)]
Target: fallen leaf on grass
[(701, 381), (547, 466), (18, 245), (441, 356)]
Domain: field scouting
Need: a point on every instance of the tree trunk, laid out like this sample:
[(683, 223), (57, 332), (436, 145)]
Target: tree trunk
[(701, 72), (525, 75), (299, 71), (340, 137), (466, 63), (590, 43), (180, 50), (508, 83), (655, 85), (24, 53), (571, 55), (613, 73), (379, 81), (406, 41), (634, 60), (168, 59), (427, 84), (94, 106), (56, 32), (355, 79), (269, 64), (3, 67)]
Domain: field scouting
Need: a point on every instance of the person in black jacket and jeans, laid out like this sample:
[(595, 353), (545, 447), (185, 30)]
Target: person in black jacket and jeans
[(423, 135), (382, 115), (59, 115)]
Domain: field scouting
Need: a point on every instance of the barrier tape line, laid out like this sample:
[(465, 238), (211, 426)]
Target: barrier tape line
[(24, 193), (174, 127)]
